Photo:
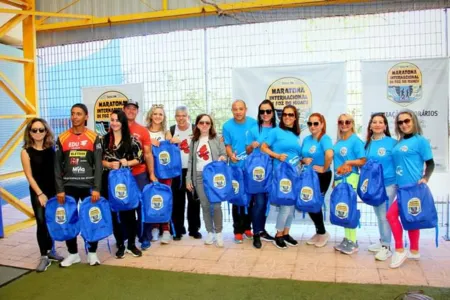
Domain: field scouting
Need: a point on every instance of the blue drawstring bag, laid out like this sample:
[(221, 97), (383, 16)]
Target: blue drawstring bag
[(283, 186), (258, 173), (95, 219), (309, 199), (62, 219), (344, 210), (239, 196), (217, 181), (123, 191), (371, 187), (157, 203), (167, 158)]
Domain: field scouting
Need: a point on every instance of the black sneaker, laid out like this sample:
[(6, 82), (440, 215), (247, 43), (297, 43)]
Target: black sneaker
[(290, 241), (279, 242), (266, 237), (257, 241), (196, 235), (53, 255), (133, 250), (120, 252), (177, 237)]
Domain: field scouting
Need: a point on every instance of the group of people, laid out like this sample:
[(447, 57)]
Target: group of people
[(79, 162)]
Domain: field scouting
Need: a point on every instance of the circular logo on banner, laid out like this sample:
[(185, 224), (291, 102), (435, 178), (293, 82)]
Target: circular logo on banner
[(104, 106), (259, 174), (306, 194), (95, 214), (364, 185), (120, 191), (60, 215), (414, 206), (404, 83), (157, 202), (235, 186), (164, 158), (219, 181), (341, 210), (285, 185)]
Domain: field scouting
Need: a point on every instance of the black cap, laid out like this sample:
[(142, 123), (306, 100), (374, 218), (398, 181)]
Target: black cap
[(131, 102)]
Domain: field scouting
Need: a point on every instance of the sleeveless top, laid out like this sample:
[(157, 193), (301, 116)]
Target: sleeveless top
[(43, 171)]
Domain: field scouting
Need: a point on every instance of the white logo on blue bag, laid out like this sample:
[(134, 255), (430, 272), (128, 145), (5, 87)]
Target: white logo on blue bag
[(95, 214)]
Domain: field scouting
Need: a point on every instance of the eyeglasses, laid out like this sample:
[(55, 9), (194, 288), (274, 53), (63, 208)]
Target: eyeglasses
[(291, 115), (312, 123), (406, 121), (265, 111), (346, 122), (204, 123), (35, 130)]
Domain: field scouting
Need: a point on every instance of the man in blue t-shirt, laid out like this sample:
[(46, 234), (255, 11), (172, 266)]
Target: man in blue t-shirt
[(235, 137)]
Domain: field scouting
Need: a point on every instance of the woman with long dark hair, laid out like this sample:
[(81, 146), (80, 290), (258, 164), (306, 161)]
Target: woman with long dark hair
[(121, 149), (255, 137), (38, 158), (317, 153), (379, 146), (283, 144)]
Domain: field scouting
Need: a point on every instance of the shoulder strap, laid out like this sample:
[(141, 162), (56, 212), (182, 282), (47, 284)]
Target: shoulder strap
[(172, 130)]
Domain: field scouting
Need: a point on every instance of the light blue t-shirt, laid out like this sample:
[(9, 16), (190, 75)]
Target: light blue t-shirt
[(349, 149), (409, 158), (316, 149), (260, 136), (381, 151), (284, 141), (235, 135)]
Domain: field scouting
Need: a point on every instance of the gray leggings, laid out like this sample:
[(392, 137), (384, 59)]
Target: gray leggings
[(211, 217)]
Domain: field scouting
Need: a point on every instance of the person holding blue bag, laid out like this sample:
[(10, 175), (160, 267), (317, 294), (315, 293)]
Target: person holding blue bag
[(410, 154), (121, 150), (349, 155), (283, 145), (255, 137), (317, 153), (206, 147), (379, 146), (37, 159)]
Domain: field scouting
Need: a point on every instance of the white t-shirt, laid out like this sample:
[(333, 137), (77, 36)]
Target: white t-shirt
[(185, 137), (203, 153), (159, 135)]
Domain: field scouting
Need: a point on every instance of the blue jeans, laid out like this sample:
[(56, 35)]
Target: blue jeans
[(285, 217), (380, 212), (259, 211), (144, 234)]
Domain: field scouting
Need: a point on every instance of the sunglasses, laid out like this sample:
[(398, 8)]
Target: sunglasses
[(312, 123), (406, 121), (204, 123), (291, 115), (35, 130), (346, 122), (265, 111)]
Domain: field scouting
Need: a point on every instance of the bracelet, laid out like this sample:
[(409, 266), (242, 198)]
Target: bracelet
[(40, 194)]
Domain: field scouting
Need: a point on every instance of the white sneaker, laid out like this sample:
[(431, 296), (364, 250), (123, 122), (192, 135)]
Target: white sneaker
[(383, 254), (155, 234), (398, 258), (375, 247), (92, 259), (413, 256), (219, 240), (209, 239), (165, 239), (70, 260)]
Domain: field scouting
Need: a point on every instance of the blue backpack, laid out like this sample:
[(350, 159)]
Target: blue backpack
[(258, 173), (157, 203), (123, 191), (217, 181), (167, 159), (95, 219), (62, 219), (343, 206), (371, 187), (309, 199), (239, 196), (283, 186)]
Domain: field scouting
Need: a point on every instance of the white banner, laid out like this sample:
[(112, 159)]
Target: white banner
[(419, 85), (102, 100), (311, 88)]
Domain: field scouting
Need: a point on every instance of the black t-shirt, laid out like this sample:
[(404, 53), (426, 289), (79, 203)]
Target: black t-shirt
[(42, 168)]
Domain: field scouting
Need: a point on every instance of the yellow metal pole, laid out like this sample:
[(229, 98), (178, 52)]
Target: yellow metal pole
[(10, 229), (13, 136), (14, 59), (8, 197), (29, 52), (11, 175), (16, 3), (17, 116), (14, 92), (165, 4), (13, 22), (7, 153), (42, 20), (42, 13)]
